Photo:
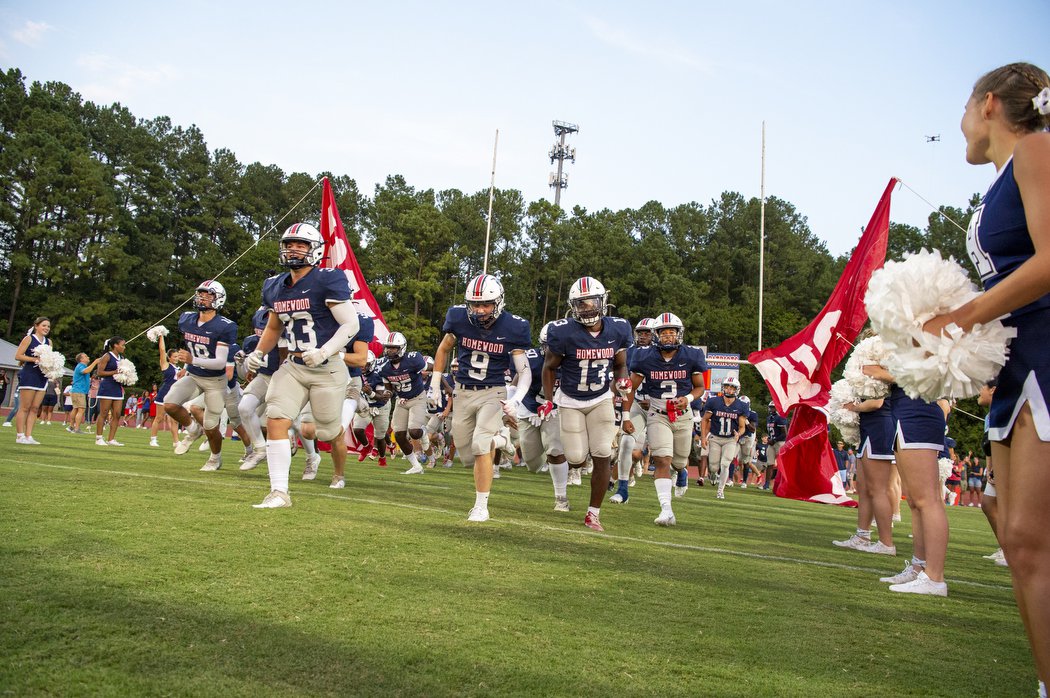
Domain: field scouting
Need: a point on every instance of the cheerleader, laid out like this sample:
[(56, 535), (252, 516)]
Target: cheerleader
[(1005, 124), (170, 373), (110, 392), (31, 380)]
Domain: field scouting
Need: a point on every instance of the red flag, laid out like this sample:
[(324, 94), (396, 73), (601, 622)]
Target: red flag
[(339, 255), (798, 372)]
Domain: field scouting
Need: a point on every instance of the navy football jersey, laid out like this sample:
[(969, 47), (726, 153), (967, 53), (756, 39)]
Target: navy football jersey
[(202, 340), (374, 379), (669, 378), (632, 351), (259, 319), (366, 333), (998, 239), (232, 382), (725, 419), (587, 360), (443, 403), (776, 427), (406, 377), (535, 391), (303, 307), (752, 422), (484, 354)]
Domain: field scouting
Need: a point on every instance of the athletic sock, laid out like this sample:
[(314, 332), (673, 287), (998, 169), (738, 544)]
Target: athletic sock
[(663, 492), (594, 510), (862, 533), (278, 462), (624, 462), (560, 477), (481, 500), (310, 446)]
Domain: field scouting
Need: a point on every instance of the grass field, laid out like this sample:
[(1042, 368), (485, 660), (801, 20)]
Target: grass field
[(128, 572)]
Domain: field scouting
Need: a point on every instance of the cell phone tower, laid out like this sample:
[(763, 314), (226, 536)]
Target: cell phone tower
[(561, 152)]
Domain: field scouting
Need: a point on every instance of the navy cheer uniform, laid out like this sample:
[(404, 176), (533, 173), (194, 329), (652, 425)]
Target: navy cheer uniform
[(999, 242), (109, 388), (30, 377)]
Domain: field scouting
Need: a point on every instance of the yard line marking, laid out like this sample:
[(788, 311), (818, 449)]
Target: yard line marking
[(515, 522)]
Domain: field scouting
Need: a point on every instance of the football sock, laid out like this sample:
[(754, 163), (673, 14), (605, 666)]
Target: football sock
[(624, 462), (481, 500), (560, 477), (310, 446), (663, 492), (278, 462), (594, 510)]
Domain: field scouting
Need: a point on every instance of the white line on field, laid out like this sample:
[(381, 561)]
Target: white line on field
[(523, 524)]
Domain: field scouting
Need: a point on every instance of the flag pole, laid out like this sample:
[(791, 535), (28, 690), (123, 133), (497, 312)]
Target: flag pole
[(492, 192), (762, 239)]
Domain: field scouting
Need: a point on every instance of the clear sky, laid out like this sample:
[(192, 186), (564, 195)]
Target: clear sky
[(669, 96)]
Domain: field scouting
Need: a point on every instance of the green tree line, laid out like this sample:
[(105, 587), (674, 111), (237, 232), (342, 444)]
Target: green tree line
[(108, 221)]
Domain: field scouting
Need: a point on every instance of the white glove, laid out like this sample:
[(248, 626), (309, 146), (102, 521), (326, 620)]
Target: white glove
[(315, 357), (535, 420), (510, 408), (254, 361), (433, 396)]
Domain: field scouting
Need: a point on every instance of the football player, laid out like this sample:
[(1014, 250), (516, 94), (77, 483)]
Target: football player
[(403, 373), (588, 348), (375, 392), (208, 337), (253, 401), (488, 340), (312, 314), (541, 439), (776, 428), (674, 374), (723, 423), (631, 444)]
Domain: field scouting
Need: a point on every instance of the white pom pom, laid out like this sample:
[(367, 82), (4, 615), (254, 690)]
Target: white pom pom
[(944, 468), (902, 297), (155, 333), (868, 352), (847, 421), (126, 373), (52, 364)]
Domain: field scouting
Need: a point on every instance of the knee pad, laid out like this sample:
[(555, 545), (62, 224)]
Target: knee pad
[(415, 434)]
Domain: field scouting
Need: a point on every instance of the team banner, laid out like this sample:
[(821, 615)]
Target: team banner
[(338, 255), (798, 371)]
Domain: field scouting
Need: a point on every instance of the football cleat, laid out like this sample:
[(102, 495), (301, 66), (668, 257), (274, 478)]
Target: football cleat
[(275, 500), (666, 518), (213, 463), (416, 469), (591, 521), (561, 504), (310, 470), (382, 462), (253, 459)]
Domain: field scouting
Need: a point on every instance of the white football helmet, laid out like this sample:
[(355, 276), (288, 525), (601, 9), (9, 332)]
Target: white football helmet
[(395, 345), (665, 321), (217, 291), (484, 288), (746, 400), (645, 325), (731, 383), (587, 300), (370, 362), (544, 331), (301, 232)]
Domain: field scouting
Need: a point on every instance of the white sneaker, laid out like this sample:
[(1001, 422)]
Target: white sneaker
[(561, 504), (638, 469), (253, 459), (338, 483), (854, 542), (880, 548), (908, 574), (7, 424), (666, 518), (631, 480), (99, 441), (153, 443), (743, 486), (188, 440), (720, 494), (22, 440), (310, 470), (113, 442), (922, 585), (997, 555), (417, 469), (478, 514), (213, 463), (30, 441), (275, 500)]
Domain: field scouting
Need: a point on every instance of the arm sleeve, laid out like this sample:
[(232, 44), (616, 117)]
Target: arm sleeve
[(521, 365), (216, 364), (346, 315)]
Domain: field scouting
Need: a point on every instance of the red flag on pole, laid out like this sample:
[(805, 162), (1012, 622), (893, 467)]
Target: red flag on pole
[(798, 372), (338, 255)]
